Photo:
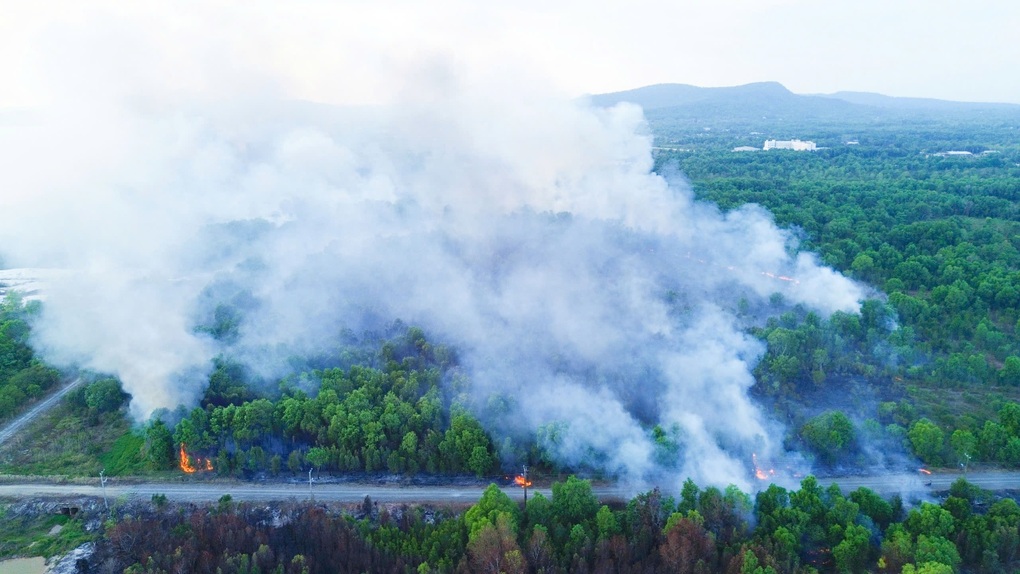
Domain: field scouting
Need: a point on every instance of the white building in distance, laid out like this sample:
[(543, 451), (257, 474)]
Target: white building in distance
[(795, 145)]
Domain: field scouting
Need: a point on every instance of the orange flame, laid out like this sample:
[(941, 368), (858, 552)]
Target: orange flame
[(522, 481), (780, 277), (924, 471), (768, 274), (186, 465), (189, 467), (760, 473)]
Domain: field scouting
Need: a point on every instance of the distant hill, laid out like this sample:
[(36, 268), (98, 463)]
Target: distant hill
[(881, 101), (773, 100), (669, 95)]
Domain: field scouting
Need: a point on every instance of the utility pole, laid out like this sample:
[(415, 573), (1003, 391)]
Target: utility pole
[(526, 484), (102, 482), (310, 495)]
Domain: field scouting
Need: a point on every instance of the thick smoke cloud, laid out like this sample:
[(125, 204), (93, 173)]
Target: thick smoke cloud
[(597, 299)]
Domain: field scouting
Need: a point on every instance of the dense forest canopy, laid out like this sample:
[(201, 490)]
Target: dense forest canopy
[(809, 529), (937, 234), (397, 418)]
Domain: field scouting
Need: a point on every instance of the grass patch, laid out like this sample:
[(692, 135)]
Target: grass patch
[(30, 535), (65, 442), (125, 456), (961, 408), (71, 536)]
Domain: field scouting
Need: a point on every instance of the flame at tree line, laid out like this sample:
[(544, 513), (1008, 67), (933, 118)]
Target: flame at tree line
[(188, 467)]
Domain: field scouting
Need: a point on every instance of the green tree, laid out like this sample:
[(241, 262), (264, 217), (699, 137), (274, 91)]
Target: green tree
[(851, 554), (159, 446), (539, 510), (863, 267), (1009, 417), (937, 549), (688, 496), (928, 568), (104, 395), (252, 421), (317, 457), (459, 444), (493, 503), (928, 441), (185, 433), (964, 445), (1009, 374), (480, 461), (295, 461), (34, 380), (897, 549), (932, 520), (573, 501), (1010, 454), (606, 522), (873, 506), (831, 435), (993, 439)]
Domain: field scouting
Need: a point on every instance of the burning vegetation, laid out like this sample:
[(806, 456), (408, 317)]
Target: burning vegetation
[(190, 467), (759, 472), (522, 481)]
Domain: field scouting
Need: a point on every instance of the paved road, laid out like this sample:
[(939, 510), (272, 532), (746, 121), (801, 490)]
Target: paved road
[(262, 492), (917, 482), (16, 425), (199, 491)]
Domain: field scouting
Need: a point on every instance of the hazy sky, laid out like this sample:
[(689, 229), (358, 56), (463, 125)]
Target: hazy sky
[(359, 50)]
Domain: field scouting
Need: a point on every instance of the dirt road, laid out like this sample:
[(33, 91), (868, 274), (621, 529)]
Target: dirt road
[(17, 424)]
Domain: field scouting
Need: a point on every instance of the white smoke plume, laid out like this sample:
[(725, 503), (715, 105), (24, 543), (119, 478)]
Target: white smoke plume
[(525, 230)]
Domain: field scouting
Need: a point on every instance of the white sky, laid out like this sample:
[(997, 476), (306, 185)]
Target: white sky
[(346, 51)]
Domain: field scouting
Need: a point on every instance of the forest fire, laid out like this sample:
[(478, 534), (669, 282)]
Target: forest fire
[(780, 277), (522, 481), (759, 472), (768, 274), (187, 466)]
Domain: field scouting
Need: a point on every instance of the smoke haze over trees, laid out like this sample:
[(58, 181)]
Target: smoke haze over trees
[(597, 296), (589, 299)]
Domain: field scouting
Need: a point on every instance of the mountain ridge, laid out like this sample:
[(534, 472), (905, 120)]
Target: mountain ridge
[(764, 97)]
